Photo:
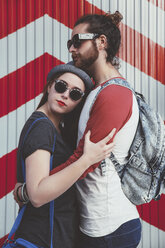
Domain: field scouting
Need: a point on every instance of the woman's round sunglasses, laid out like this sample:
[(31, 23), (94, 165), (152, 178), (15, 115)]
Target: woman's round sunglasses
[(61, 86), (77, 39)]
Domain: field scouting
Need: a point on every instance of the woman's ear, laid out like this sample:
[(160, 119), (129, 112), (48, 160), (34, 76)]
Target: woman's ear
[(48, 87)]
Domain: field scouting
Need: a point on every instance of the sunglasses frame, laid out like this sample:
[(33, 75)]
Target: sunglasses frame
[(78, 38), (67, 88)]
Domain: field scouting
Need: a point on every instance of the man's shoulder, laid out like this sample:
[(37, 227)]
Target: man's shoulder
[(113, 91)]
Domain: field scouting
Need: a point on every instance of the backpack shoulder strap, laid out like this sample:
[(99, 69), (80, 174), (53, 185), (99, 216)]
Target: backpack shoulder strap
[(116, 81)]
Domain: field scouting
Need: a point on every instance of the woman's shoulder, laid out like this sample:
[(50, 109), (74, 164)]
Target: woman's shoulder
[(38, 133), (37, 128), (38, 120)]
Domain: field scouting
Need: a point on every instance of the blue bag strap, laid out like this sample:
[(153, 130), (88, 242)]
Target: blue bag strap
[(51, 211), (17, 222), (22, 210)]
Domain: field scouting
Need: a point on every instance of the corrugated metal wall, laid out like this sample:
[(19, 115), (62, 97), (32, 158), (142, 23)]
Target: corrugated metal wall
[(33, 36)]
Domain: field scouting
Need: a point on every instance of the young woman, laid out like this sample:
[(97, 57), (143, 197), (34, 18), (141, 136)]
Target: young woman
[(66, 87)]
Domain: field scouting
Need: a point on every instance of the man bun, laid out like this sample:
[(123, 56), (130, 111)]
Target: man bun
[(115, 17)]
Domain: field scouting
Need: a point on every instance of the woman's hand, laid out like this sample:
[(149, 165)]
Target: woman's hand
[(96, 152), (15, 194)]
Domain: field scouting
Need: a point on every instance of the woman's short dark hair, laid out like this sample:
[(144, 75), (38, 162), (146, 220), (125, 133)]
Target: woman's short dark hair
[(107, 24)]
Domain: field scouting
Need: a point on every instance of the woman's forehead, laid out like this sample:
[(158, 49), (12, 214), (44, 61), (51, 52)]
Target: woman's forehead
[(72, 80)]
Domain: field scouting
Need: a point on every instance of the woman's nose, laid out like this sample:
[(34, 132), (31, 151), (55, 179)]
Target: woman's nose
[(65, 94)]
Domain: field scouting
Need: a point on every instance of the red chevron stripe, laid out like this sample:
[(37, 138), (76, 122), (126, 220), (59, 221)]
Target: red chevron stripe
[(24, 84), (142, 53), (17, 14), (7, 173), (2, 240), (158, 3), (139, 51), (153, 213)]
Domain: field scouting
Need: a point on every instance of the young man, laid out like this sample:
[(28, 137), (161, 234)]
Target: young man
[(107, 217)]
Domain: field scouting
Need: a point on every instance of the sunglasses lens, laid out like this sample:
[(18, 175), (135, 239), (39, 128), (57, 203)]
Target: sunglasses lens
[(75, 41), (76, 94), (60, 86), (69, 44), (77, 44)]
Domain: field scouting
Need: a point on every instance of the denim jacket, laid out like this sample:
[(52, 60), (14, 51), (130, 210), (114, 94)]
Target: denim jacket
[(143, 176)]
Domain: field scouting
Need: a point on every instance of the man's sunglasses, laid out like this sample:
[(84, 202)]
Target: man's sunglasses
[(61, 86), (77, 39)]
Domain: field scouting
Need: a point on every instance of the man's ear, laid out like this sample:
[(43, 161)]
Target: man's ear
[(102, 42)]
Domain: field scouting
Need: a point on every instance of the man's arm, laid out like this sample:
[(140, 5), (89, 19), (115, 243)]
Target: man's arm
[(112, 109)]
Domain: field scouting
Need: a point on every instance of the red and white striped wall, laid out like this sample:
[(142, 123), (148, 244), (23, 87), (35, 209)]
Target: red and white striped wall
[(33, 36)]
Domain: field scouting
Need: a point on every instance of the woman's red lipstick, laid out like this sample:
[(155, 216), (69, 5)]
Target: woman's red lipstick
[(61, 103)]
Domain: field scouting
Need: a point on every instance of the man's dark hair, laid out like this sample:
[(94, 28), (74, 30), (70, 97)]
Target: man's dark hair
[(106, 24)]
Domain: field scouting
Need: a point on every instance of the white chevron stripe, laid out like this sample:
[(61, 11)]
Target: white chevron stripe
[(8, 213), (151, 237), (12, 124), (32, 41), (140, 15)]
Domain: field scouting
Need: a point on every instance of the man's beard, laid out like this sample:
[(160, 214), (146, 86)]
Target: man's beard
[(86, 60)]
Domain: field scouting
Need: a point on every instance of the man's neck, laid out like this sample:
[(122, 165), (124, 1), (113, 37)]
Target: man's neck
[(103, 71)]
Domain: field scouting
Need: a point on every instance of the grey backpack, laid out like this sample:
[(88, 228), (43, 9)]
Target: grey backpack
[(143, 176)]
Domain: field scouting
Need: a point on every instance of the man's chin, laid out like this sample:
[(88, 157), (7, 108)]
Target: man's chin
[(76, 63), (79, 65), (82, 66)]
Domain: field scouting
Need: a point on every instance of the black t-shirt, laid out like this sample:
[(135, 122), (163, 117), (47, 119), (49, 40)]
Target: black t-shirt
[(35, 224)]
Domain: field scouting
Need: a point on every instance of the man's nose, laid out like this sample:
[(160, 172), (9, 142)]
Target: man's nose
[(72, 49)]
